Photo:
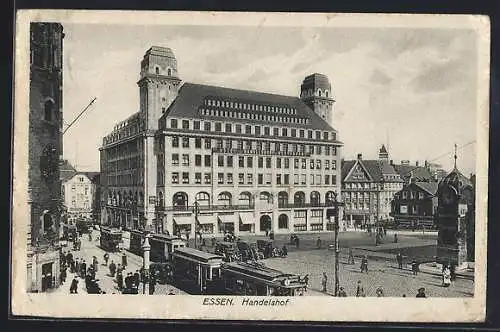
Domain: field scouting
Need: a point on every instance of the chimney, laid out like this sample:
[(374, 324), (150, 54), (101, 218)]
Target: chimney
[(360, 156), (416, 163)]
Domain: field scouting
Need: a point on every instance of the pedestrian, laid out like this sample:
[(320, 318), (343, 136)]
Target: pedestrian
[(360, 291), (152, 284), (324, 281), (379, 292), (95, 263), (112, 268), (119, 277), (267, 232), (351, 257), (124, 260), (453, 274), (284, 251), (414, 267), (318, 243), (106, 258), (421, 292), (137, 278), (74, 286), (306, 280), (214, 241), (76, 266), (129, 281), (399, 258), (297, 242), (342, 292), (446, 277), (83, 268), (395, 238), (364, 264)]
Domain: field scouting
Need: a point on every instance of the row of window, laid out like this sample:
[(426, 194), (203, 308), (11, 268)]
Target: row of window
[(256, 130), (253, 116), (251, 145), (283, 109), (372, 185), (411, 195), (247, 178)]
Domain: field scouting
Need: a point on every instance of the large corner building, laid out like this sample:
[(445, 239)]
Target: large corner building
[(213, 159)]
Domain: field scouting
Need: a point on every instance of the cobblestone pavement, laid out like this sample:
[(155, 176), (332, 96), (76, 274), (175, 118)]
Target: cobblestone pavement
[(106, 282), (385, 274)]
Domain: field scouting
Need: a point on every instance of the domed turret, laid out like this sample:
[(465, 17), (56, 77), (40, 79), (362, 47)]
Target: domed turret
[(316, 92)]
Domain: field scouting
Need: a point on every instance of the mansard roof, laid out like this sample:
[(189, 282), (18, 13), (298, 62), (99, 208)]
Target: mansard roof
[(192, 99)]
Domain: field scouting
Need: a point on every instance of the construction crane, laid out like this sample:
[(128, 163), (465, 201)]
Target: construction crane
[(79, 115)]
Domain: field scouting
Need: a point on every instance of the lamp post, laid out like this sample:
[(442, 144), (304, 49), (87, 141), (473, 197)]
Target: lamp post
[(146, 248), (337, 249), (196, 211)]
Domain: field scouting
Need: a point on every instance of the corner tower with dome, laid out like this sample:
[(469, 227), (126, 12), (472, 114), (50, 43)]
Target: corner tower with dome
[(455, 219), (200, 159)]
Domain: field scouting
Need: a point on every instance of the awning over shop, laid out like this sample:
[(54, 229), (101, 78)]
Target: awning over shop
[(226, 219), (183, 220), (205, 219), (247, 218)]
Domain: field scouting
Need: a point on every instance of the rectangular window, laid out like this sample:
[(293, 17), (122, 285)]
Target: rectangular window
[(175, 141), (325, 135), (185, 142), (275, 132), (241, 178), (318, 164), (185, 177), (197, 143), (327, 164), (220, 161), (248, 129), (267, 131), (301, 133), (287, 179), (240, 144), (196, 125), (294, 132), (241, 161), (208, 178), (296, 163), (304, 163), (185, 124), (228, 128), (197, 178), (295, 179), (334, 164), (284, 132), (248, 145), (175, 177), (334, 151), (317, 179), (257, 130), (318, 135), (260, 178), (229, 178), (334, 179), (185, 160), (309, 134), (259, 145), (249, 178), (249, 162), (303, 179), (173, 123), (278, 179), (278, 162), (229, 162), (207, 126), (175, 159), (287, 163), (238, 129), (268, 162), (318, 149), (208, 143), (312, 179), (268, 178), (327, 179), (229, 144), (218, 144), (218, 126), (260, 162), (220, 178), (327, 150), (197, 160), (207, 161)]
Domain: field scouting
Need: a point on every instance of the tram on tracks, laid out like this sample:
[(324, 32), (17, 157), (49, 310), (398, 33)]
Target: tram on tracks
[(196, 271), (254, 279), (162, 246), (110, 238)]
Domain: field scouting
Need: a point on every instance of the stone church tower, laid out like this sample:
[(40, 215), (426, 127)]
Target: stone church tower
[(316, 92), (158, 85)]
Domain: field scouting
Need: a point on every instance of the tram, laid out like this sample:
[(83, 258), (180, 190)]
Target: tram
[(69, 232), (196, 271), (110, 238), (254, 279), (162, 245)]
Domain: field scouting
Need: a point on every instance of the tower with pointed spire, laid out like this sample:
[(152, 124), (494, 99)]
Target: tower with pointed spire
[(455, 216), (383, 154)]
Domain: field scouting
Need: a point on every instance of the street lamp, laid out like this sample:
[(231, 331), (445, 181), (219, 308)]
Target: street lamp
[(335, 215), (196, 211)]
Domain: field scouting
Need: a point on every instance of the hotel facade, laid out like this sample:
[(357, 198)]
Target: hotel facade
[(208, 159)]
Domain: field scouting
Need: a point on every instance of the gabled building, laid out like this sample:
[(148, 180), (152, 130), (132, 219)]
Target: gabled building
[(79, 192), (246, 161), (368, 188), (415, 205)]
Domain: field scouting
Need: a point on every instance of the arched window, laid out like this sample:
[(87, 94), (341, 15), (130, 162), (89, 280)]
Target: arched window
[(157, 70), (319, 92), (180, 200), (282, 199), (245, 199), (224, 198), (169, 72), (203, 198), (315, 198), (299, 198), (48, 110), (326, 93), (47, 221), (283, 221), (160, 199), (266, 197), (330, 197)]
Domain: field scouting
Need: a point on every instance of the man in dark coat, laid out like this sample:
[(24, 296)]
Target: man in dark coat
[(74, 286), (399, 258), (137, 278), (421, 292), (112, 268), (152, 284), (83, 268), (119, 278)]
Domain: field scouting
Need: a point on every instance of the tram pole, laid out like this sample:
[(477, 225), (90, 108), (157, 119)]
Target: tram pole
[(337, 249), (146, 247), (196, 210)]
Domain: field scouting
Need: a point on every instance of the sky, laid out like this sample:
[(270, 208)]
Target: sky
[(411, 89)]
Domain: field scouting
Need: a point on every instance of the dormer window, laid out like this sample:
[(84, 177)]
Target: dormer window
[(326, 93), (157, 70), (169, 72), (48, 110)]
